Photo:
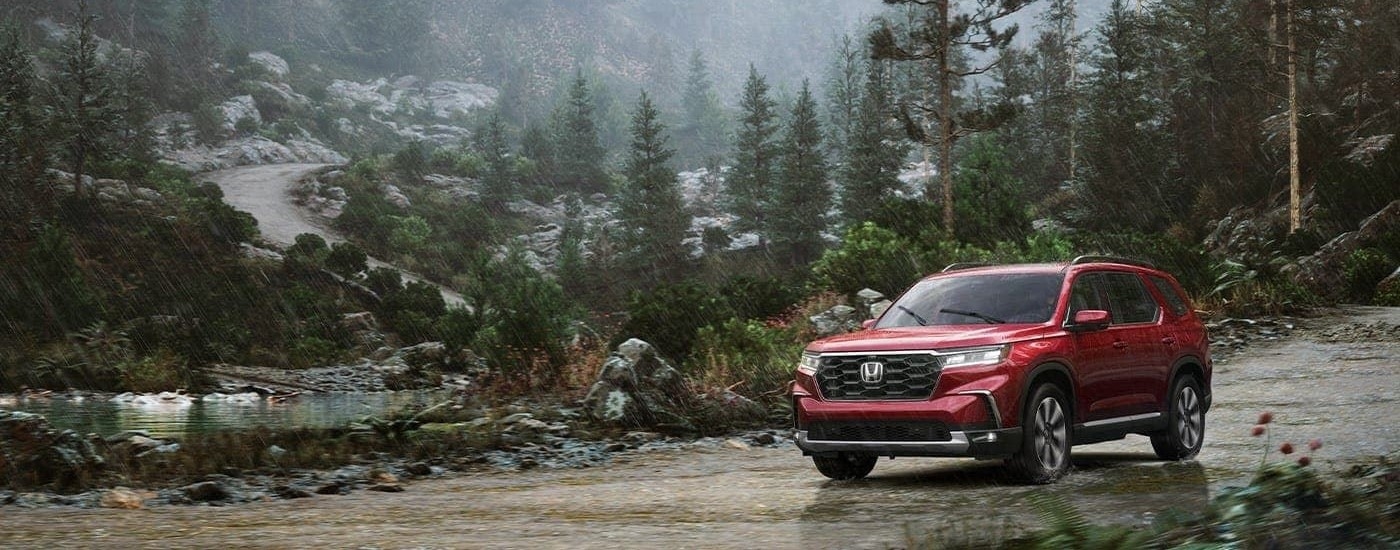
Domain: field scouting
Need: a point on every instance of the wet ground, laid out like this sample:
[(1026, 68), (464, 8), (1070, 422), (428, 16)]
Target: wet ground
[(1334, 378)]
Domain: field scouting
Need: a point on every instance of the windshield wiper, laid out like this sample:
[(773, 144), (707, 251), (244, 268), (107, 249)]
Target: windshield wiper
[(922, 322), (989, 319)]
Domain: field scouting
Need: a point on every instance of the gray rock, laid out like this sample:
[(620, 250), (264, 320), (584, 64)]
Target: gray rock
[(878, 308), (270, 62), (206, 491), (637, 388), (386, 488), (395, 196), (839, 319), (34, 454), (420, 469), (238, 108), (424, 354)]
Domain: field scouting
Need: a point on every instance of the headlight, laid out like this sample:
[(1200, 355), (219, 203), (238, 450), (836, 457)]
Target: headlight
[(809, 364), (975, 357)]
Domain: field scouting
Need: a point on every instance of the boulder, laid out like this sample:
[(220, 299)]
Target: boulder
[(239, 108), (33, 454), (839, 319), (271, 62), (123, 498), (637, 388), (206, 491), (395, 196), (424, 354)]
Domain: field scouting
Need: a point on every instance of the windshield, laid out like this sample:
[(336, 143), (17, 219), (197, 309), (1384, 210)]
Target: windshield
[(976, 299)]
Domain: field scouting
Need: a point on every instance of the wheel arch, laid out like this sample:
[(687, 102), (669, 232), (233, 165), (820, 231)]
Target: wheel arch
[(1052, 372)]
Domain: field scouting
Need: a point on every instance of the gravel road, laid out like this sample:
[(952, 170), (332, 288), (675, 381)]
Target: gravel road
[(265, 192), (1335, 378)]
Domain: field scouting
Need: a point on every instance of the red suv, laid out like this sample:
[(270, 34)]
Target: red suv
[(1014, 362)]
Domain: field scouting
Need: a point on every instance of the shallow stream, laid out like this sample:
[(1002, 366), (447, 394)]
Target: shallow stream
[(178, 415)]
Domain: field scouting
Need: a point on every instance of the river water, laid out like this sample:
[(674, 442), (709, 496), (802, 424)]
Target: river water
[(181, 415)]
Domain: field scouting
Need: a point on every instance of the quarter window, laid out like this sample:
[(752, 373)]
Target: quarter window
[(1174, 299)]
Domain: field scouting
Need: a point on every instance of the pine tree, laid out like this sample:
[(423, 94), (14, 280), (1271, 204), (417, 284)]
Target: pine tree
[(537, 146), (198, 44), (936, 42), (803, 195), (870, 171), (23, 193), (83, 104), (578, 154), (133, 110), (755, 156), (843, 92), (497, 179), (702, 132), (649, 205), (1125, 150)]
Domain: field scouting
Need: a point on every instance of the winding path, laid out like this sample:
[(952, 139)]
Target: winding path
[(265, 192)]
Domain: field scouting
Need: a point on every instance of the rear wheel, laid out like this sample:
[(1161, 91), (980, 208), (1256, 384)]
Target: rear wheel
[(1044, 454), (845, 465), (1186, 422)]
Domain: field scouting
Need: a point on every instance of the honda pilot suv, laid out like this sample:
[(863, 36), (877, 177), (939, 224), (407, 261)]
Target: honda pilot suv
[(1012, 362)]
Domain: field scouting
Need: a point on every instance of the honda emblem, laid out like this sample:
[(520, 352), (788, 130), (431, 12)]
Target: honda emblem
[(872, 372)]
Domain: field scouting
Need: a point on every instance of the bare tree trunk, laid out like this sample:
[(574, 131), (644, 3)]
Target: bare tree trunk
[(1295, 210), (945, 119), (1073, 88)]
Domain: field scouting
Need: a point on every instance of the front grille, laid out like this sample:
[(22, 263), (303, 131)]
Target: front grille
[(910, 376), (878, 431)]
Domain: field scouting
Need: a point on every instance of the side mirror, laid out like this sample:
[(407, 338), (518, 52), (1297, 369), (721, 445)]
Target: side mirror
[(1088, 320), (867, 324)]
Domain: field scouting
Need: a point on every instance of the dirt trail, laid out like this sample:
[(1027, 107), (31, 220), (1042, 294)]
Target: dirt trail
[(265, 192), (1317, 385)]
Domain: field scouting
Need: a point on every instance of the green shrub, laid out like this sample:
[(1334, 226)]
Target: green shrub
[(412, 161), (759, 298), (756, 359), (346, 259), (208, 122), (1364, 268), (161, 371), (310, 247), (869, 256), (670, 315), (383, 281)]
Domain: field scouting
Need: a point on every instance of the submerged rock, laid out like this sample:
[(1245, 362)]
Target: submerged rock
[(33, 454)]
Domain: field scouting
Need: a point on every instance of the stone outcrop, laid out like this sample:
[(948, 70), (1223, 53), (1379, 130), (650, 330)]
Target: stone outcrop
[(253, 150), (1323, 272), (33, 454)]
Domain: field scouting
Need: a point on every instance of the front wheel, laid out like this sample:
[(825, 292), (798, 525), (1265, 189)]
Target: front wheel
[(845, 466), (1044, 454), (1186, 422)]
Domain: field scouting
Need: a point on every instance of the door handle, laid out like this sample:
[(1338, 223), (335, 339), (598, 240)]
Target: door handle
[(1170, 340), (1120, 344)]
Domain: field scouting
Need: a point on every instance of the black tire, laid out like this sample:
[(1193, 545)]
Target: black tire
[(1045, 437), (1186, 421), (845, 466)]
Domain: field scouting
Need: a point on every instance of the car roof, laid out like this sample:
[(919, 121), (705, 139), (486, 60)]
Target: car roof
[(1053, 267)]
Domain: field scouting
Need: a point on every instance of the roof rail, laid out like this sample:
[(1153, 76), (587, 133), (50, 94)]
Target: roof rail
[(1093, 258), (964, 265)]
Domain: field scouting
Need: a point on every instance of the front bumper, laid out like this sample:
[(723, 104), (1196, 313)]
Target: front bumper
[(977, 444)]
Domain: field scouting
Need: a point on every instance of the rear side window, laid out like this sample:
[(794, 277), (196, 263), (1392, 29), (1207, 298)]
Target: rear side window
[(1128, 299), (1175, 300)]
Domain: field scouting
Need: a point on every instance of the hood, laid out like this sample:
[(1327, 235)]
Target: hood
[(942, 337)]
